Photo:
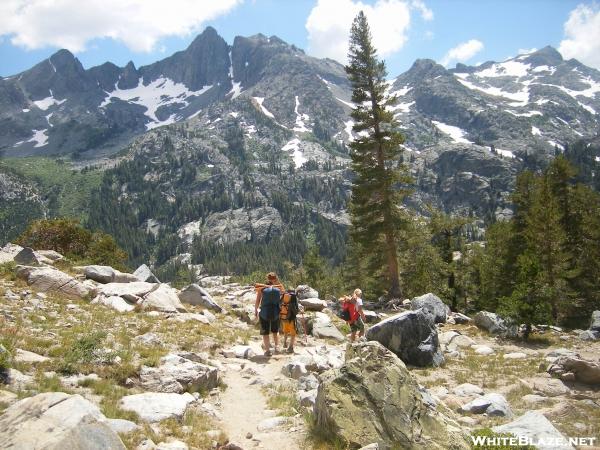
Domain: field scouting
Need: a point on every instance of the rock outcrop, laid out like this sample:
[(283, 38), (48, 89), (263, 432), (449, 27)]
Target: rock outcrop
[(143, 273), (49, 279), (570, 368), (179, 373), (56, 421), (106, 274), (373, 398), (157, 406), (411, 335)]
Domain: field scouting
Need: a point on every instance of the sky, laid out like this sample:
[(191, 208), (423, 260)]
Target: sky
[(448, 31)]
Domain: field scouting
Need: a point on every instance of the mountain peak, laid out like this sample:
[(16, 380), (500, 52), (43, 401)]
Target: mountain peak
[(422, 67), (547, 56)]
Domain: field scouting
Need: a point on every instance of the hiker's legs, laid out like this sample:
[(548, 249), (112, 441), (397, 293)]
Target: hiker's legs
[(353, 336), (275, 340), (266, 343), (264, 331)]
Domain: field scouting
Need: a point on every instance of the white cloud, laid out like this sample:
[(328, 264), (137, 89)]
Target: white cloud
[(582, 35), (462, 52), (71, 24), (426, 13), (329, 23)]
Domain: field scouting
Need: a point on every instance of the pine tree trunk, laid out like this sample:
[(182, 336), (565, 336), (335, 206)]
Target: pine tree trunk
[(393, 272)]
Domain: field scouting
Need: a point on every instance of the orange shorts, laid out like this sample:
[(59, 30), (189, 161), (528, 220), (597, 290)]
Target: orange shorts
[(288, 327)]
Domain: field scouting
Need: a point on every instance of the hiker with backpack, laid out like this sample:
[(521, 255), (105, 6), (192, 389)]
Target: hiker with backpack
[(288, 312), (268, 298), (353, 314)]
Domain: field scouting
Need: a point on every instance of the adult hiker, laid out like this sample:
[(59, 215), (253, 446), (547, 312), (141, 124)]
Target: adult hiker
[(268, 298), (288, 312), (352, 312)]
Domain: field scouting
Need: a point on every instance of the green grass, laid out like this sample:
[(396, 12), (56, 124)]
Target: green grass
[(57, 180), (283, 399)]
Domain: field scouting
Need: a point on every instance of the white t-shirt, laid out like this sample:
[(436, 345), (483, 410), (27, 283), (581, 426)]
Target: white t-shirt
[(359, 302)]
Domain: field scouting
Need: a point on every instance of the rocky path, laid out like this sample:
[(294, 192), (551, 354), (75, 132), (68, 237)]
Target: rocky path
[(246, 417)]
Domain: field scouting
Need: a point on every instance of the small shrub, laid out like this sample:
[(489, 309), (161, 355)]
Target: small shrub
[(85, 350)]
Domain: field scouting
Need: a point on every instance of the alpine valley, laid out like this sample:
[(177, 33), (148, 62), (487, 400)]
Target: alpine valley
[(204, 157)]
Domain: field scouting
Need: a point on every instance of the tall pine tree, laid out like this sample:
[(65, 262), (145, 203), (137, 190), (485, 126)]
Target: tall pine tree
[(381, 178)]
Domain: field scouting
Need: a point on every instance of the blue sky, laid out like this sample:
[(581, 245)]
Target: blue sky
[(447, 31)]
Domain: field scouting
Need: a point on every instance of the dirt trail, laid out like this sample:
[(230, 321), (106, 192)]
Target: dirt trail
[(244, 406)]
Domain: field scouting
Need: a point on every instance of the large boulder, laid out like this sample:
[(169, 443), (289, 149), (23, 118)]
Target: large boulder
[(179, 373), (56, 421), (29, 257), (433, 304), (197, 295), (373, 398), (304, 291), (49, 279), (570, 368), (534, 426), (494, 324), (322, 327), (411, 335), (8, 252), (106, 274), (143, 273), (157, 406), (162, 298), (313, 304)]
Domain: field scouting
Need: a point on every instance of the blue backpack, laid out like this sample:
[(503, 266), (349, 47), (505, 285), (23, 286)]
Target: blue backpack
[(269, 307)]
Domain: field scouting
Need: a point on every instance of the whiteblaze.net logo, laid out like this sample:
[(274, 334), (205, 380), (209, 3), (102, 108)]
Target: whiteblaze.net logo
[(480, 441)]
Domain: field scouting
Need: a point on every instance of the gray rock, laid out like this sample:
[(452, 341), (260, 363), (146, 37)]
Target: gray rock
[(172, 445), (157, 406), (28, 257), (162, 298), (49, 279), (494, 324), (29, 357), (411, 335), (239, 351), (534, 425), (294, 369), (122, 425), (143, 273), (433, 304), (589, 335), (197, 295), (313, 304), (304, 291), (307, 399), (322, 327), (467, 390), (492, 404), (271, 422), (374, 398), (56, 421), (149, 339), (51, 255), (372, 316), (460, 318), (101, 274), (114, 302), (179, 373), (569, 368)]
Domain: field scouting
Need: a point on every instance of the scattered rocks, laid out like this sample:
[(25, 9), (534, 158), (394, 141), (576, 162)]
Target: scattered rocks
[(411, 335), (196, 295), (482, 349), (271, 422), (157, 406), (494, 324), (515, 355), (534, 425), (433, 304), (374, 398), (149, 339), (56, 420), (569, 368), (294, 369), (492, 404), (454, 341), (179, 373)]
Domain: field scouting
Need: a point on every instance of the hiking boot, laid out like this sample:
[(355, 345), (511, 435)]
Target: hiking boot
[(290, 349), (268, 353)]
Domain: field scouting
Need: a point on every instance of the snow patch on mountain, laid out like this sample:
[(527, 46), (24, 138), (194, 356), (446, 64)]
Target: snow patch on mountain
[(265, 111), (535, 131), (520, 98), (510, 68), (160, 92), (47, 102), (297, 155), (39, 137), (300, 127), (457, 134)]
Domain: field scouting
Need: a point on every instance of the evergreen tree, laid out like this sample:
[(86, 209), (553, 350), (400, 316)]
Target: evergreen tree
[(379, 186)]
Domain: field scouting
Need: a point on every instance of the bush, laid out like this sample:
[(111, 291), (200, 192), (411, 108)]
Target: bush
[(69, 238), (85, 351)]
